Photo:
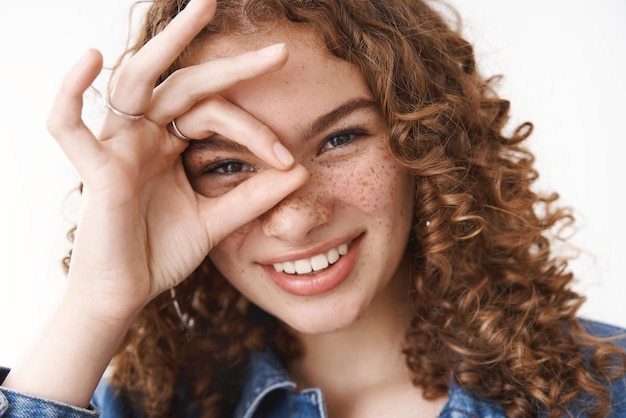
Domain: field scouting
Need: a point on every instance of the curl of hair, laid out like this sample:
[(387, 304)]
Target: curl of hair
[(493, 308)]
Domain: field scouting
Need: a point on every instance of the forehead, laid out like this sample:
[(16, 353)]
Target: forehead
[(312, 82)]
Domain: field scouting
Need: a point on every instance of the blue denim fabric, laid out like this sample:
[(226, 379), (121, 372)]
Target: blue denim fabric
[(18, 405), (270, 392)]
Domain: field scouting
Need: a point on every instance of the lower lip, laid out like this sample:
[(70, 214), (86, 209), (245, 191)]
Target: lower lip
[(322, 282)]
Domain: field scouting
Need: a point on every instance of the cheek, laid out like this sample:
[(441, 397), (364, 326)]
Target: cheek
[(375, 183)]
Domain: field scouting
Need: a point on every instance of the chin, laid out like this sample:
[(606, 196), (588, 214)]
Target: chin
[(323, 320)]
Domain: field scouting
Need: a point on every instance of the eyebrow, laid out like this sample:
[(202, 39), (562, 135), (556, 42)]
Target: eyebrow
[(324, 121), (319, 124), (215, 144)]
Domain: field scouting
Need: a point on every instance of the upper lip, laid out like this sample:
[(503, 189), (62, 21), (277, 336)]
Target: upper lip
[(309, 252)]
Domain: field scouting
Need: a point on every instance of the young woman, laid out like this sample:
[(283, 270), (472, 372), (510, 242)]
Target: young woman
[(309, 209)]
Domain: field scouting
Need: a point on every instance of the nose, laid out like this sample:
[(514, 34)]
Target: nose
[(296, 216)]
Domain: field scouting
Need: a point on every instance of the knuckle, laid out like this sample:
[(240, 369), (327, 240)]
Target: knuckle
[(264, 132), (185, 79), (212, 104), (132, 74), (177, 75)]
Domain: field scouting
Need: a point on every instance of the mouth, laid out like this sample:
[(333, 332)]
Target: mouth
[(315, 264), (317, 274)]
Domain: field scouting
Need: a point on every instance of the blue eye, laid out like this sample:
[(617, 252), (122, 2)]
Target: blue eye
[(228, 167), (340, 139)]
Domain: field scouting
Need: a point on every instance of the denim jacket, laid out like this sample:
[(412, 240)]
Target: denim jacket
[(270, 392)]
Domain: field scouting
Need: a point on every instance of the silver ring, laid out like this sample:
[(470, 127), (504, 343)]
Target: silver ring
[(177, 131), (117, 112)]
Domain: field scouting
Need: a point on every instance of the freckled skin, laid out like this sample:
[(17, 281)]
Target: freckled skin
[(317, 211), (353, 190)]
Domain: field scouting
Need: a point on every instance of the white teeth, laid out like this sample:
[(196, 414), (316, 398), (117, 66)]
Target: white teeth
[(289, 267), (303, 266), (333, 256), (319, 262), (315, 263)]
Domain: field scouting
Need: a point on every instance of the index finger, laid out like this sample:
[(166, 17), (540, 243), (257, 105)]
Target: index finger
[(218, 115)]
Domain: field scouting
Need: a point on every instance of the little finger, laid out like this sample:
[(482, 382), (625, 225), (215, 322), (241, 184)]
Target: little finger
[(65, 121), (136, 78)]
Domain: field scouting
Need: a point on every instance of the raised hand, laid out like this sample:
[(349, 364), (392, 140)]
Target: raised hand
[(143, 228)]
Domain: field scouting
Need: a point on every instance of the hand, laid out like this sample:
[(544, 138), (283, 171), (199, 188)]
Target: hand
[(143, 229)]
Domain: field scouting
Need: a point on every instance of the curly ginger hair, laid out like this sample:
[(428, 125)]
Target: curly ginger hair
[(493, 308)]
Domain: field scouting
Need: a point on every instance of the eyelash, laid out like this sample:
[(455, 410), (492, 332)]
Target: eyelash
[(221, 167), (352, 134)]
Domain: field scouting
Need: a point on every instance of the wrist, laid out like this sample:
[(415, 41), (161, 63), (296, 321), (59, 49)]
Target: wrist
[(110, 307), (69, 356)]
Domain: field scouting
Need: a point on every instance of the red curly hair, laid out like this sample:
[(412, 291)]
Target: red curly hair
[(493, 308)]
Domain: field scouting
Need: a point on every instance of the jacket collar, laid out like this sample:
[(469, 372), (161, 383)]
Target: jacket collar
[(266, 374)]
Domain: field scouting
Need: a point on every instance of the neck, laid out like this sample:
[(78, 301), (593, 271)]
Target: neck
[(366, 354)]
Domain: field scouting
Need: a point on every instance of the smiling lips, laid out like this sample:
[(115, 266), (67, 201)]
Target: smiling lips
[(318, 274), (316, 263)]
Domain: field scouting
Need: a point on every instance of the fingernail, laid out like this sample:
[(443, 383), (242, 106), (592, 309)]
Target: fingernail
[(271, 50), (283, 154)]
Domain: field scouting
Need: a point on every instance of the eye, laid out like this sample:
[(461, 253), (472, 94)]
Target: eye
[(228, 167), (340, 139)]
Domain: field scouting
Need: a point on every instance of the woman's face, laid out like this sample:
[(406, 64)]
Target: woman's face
[(321, 257)]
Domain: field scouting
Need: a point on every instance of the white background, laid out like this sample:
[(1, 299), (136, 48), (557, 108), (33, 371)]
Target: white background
[(563, 63)]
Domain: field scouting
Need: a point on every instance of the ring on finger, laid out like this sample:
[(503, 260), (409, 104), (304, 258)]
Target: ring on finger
[(117, 112), (177, 131)]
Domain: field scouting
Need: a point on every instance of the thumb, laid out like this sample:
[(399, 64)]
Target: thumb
[(250, 199)]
